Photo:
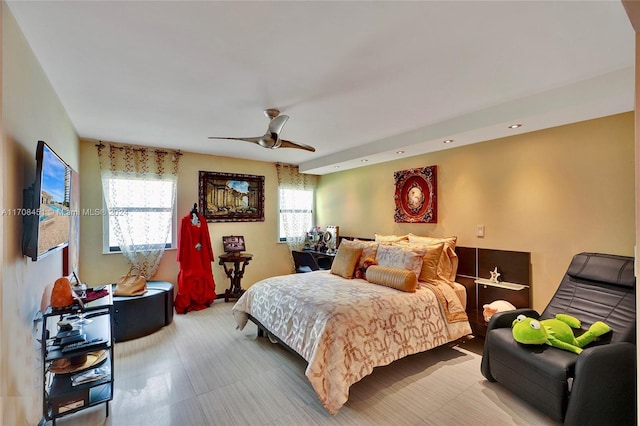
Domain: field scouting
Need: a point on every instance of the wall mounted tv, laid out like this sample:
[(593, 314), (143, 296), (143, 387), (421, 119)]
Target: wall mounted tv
[(46, 217)]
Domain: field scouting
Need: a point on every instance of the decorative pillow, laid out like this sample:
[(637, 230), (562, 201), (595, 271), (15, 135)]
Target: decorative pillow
[(400, 279), (346, 260), (395, 256), (390, 238), (430, 261), (448, 265), (369, 249)]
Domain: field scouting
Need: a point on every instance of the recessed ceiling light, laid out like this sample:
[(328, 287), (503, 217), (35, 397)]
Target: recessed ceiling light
[(336, 167), (399, 152), (515, 126), (448, 141)]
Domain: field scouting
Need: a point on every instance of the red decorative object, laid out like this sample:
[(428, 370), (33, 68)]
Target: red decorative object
[(196, 286), (416, 195)]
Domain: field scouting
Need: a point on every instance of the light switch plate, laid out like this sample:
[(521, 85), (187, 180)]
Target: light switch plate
[(480, 231)]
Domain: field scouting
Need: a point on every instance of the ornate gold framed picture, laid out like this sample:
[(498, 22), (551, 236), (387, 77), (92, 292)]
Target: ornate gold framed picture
[(416, 195), (230, 197)]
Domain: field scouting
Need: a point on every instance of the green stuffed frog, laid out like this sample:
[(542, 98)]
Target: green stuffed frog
[(556, 332)]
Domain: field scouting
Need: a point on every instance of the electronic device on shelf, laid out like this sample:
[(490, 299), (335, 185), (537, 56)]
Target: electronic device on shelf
[(63, 334), (73, 339), (84, 345), (233, 244)]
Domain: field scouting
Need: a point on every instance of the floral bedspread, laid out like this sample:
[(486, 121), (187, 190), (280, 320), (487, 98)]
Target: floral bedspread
[(345, 328)]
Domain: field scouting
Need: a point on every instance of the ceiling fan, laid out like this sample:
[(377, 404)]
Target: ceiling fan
[(271, 138)]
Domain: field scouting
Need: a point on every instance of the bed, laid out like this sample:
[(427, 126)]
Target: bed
[(345, 327)]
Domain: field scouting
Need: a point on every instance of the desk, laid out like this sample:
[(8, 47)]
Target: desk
[(234, 264), (323, 259)]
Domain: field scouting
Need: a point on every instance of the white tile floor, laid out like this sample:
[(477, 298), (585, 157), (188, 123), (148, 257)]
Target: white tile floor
[(200, 370)]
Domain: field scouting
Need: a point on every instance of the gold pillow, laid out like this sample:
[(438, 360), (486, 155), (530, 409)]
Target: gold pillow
[(430, 261), (448, 265), (400, 279), (369, 249), (390, 238), (346, 260)]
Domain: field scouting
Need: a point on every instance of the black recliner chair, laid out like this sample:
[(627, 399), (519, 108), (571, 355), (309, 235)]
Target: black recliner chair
[(597, 387), (304, 262)]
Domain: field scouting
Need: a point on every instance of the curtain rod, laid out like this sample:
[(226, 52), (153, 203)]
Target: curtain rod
[(157, 151)]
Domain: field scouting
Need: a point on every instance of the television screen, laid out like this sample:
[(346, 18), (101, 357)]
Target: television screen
[(46, 216)]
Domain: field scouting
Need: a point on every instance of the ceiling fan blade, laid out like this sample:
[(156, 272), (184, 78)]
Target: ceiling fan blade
[(289, 144), (276, 124), (271, 138), (265, 141), (256, 139)]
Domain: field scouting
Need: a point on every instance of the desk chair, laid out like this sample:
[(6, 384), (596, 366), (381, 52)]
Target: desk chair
[(304, 262)]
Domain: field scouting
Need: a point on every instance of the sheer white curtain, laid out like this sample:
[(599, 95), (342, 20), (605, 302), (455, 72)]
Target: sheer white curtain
[(139, 187), (296, 192)]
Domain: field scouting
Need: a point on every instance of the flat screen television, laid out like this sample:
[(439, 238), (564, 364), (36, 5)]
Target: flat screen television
[(46, 217)]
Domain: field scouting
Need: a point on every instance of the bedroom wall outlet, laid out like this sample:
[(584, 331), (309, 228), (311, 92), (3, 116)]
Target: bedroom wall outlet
[(480, 231)]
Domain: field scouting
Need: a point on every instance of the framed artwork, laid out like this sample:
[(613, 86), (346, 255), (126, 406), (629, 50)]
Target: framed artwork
[(416, 195), (233, 243), (230, 197)]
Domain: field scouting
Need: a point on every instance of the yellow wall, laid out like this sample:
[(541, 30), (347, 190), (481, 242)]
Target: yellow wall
[(31, 110), (270, 257), (553, 193)]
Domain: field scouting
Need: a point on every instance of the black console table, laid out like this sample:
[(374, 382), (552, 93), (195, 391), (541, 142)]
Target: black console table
[(234, 264)]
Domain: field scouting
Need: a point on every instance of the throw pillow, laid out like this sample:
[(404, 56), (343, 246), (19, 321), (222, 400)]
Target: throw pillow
[(448, 265), (400, 279), (390, 238), (430, 261), (369, 250), (346, 260), (395, 256)]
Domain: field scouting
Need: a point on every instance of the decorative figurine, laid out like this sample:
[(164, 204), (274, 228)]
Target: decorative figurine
[(494, 275)]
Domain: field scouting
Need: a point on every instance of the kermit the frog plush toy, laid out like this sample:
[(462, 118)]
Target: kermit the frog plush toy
[(556, 332)]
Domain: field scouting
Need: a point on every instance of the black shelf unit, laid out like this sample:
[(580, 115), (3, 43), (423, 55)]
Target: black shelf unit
[(60, 397), (474, 266)]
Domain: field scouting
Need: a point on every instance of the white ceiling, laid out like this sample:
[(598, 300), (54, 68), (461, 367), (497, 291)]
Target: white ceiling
[(358, 79)]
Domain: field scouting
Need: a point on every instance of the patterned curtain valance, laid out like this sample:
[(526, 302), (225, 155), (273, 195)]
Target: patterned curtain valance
[(138, 160), (289, 177)]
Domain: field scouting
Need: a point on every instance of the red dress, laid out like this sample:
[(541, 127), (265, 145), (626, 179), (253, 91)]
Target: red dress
[(196, 288)]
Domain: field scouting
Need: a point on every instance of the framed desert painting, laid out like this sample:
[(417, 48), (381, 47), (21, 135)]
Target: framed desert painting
[(416, 195), (231, 197)]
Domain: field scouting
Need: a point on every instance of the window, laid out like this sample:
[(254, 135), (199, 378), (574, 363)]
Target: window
[(296, 212), (144, 208)]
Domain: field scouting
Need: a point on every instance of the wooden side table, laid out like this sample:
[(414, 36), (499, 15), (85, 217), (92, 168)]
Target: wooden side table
[(234, 264)]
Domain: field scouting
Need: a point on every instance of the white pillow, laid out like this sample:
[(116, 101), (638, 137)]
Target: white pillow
[(409, 258)]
